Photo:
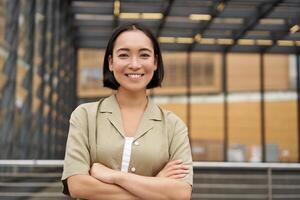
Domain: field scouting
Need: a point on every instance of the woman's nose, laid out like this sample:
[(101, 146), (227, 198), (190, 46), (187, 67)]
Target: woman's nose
[(135, 63)]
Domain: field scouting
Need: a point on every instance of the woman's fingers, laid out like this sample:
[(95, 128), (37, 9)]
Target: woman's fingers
[(178, 171), (103, 173), (173, 162), (175, 167), (172, 168), (178, 176)]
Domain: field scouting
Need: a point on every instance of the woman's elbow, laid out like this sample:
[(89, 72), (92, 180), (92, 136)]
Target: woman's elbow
[(186, 193), (182, 192), (73, 187)]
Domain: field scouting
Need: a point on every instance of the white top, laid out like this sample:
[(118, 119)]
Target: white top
[(126, 153)]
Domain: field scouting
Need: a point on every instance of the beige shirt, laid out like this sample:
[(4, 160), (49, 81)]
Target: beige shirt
[(96, 135)]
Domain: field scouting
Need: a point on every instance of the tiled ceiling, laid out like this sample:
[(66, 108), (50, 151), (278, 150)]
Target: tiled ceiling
[(195, 25)]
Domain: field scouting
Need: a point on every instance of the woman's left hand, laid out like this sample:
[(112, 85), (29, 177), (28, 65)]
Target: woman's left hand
[(103, 173), (174, 169)]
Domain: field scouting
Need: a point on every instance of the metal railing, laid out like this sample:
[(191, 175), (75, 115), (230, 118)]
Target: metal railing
[(31, 179), (255, 181), (40, 179)]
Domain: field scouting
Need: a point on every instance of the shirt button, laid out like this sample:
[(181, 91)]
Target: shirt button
[(133, 169), (136, 143)]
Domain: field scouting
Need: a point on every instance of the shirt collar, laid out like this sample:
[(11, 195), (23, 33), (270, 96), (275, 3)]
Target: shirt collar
[(111, 105)]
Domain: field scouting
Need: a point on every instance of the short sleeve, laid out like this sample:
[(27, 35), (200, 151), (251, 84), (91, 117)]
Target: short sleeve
[(180, 148), (77, 155)]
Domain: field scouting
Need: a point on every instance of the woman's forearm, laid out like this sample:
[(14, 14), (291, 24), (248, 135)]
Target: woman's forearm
[(87, 187), (153, 187)]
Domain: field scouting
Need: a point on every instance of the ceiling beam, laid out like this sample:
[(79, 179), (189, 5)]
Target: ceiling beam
[(263, 10), (97, 9), (280, 36), (163, 20), (215, 11)]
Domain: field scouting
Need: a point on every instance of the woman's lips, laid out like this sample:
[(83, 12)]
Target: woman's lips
[(134, 76)]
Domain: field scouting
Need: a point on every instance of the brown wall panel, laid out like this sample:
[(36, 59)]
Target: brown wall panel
[(178, 109), (276, 72), (243, 72), (281, 128), (207, 121), (244, 127), (244, 123), (89, 76)]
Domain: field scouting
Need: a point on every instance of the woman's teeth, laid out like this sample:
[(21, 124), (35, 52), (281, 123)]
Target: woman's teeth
[(134, 75)]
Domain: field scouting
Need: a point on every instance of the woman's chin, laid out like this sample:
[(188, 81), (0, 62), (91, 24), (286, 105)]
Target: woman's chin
[(134, 88)]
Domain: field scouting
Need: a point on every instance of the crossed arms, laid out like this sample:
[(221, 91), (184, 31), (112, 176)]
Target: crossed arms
[(105, 183)]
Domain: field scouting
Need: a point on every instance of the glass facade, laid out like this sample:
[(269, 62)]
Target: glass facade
[(37, 78), (238, 106)]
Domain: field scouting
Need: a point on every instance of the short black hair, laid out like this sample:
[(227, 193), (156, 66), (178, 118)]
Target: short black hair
[(108, 77)]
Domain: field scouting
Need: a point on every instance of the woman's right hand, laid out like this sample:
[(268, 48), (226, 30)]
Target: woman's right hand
[(174, 169)]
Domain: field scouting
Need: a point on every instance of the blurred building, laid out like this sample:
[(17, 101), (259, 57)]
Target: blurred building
[(232, 73)]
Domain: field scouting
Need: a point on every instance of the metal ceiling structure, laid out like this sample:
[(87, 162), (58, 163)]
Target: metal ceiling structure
[(265, 26)]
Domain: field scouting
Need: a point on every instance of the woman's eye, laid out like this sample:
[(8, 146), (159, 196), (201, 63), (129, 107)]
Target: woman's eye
[(123, 55), (145, 55)]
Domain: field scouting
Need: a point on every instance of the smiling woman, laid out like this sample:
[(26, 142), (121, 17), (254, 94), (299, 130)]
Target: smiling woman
[(125, 146), (133, 61)]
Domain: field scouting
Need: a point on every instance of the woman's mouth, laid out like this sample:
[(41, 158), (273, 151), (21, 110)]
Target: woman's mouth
[(134, 75)]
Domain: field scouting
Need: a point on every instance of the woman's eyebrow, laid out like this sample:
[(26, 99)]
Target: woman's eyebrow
[(127, 49), (122, 49), (145, 49)]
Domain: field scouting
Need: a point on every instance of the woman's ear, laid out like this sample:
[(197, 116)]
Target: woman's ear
[(110, 62)]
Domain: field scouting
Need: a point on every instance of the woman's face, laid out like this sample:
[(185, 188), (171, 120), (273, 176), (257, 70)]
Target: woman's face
[(133, 61)]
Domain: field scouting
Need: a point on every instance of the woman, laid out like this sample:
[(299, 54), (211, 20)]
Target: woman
[(125, 146)]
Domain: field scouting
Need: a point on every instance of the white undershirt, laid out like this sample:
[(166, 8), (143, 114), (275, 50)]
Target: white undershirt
[(126, 153)]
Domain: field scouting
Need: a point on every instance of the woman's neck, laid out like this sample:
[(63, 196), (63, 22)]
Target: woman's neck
[(132, 100)]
